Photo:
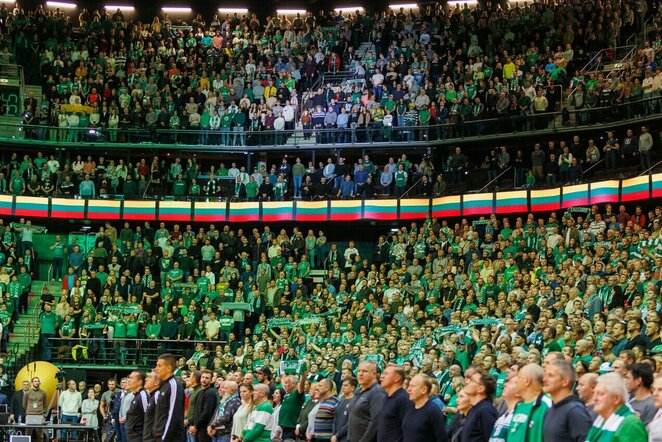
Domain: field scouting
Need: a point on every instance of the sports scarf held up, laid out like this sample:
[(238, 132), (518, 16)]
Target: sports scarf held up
[(603, 431)]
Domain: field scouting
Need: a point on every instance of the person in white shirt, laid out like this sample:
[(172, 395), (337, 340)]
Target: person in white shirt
[(69, 402), (350, 252)]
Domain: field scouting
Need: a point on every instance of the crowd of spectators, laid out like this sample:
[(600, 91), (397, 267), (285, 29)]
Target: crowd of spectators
[(433, 297), (568, 160), (236, 75)]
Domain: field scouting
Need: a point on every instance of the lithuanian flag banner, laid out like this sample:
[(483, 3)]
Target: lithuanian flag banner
[(545, 200), (345, 210), (139, 210), (604, 192), (414, 208), (574, 196), (477, 203), (446, 206), (31, 206), (67, 208), (312, 210), (243, 212), (509, 202), (637, 188), (175, 211), (209, 212), (383, 210), (277, 211), (103, 209), (657, 185)]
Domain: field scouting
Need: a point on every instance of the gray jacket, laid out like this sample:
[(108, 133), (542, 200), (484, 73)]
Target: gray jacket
[(363, 411)]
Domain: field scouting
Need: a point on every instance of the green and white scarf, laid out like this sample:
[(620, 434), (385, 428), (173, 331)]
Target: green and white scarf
[(604, 430)]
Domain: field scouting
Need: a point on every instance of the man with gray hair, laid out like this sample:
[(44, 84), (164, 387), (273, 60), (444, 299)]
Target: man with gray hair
[(220, 426), (568, 419), (615, 420), (259, 423), (292, 402), (366, 406)]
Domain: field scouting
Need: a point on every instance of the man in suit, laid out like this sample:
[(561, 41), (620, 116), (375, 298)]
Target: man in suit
[(570, 232), (16, 409)]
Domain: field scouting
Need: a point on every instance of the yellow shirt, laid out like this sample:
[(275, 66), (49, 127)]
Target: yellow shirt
[(508, 70)]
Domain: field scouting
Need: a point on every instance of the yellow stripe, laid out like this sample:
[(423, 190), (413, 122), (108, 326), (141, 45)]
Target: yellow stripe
[(416, 202), (611, 184), (511, 195)]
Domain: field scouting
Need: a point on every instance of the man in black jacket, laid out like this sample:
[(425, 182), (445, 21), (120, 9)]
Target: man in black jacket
[(16, 410), (221, 424), (205, 407), (480, 387), (568, 419), (135, 416), (366, 406), (152, 384), (168, 423)]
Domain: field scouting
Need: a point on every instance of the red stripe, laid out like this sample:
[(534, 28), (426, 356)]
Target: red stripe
[(68, 214), (103, 215), (219, 217), (139, 216), (243, 218), (390, 216), (575, 202), (657, 193), (174, 217), (512, 209), (545, 207), (410, 215), (32, 212), (278, 217), (311, 217), (345, 217), (642, 195), (477, 210), (444, 212), (604, 199)]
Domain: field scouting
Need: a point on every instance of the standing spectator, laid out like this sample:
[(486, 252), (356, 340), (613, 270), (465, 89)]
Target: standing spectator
[(89, 410), (259, 424), (615, 420), (638, 381), (423, 421), (510, 398), (529, 414), (568, 419), (220, 427), (480, 386), (340, 419), (152, 384), (16, 408), (552, 170), (367, 405), (645, 148), (70, 402), (292, 402), (34, 404), (390, 420), (205, 407), (87, 188)]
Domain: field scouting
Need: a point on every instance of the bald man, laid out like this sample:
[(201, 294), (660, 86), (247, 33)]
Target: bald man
[(366, 406), (259, 424), (528, 416), (585, 388)]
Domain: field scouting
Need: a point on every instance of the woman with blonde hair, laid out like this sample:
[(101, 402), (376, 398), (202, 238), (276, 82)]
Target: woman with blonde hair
[(240, 418)]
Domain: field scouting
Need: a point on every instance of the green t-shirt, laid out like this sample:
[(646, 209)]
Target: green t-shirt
[(257, 425), (527, 422), (289, 410), (48, 321)]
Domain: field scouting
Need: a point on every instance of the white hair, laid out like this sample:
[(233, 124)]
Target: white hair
[(614, 384)]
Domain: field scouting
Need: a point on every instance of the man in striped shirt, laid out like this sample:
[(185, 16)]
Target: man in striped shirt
[(328, 402)]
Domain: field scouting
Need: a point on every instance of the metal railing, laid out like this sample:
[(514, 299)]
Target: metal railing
[(373, 133), (494, 180), (650, 169), (413, 186), (127, 352)]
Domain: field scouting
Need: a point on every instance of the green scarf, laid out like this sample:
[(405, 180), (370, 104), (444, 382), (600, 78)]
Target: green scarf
[(603, 431)]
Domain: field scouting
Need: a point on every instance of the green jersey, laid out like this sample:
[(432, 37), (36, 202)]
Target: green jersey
[(527, 422)]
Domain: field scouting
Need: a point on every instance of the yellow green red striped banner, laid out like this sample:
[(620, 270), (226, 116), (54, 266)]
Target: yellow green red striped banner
[(509, 202), (386, 210), (605, 192), (174, 211), (139, 210), (103, 209), (446, 206), (477, 203), (243, 212), (210, 211), (6, 204), (277, 211), (634, 189), (31, 206), (312, 210), (67, 208), (656, 181), (349, 210), (545, 200), (414, 208), (574, 196)]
